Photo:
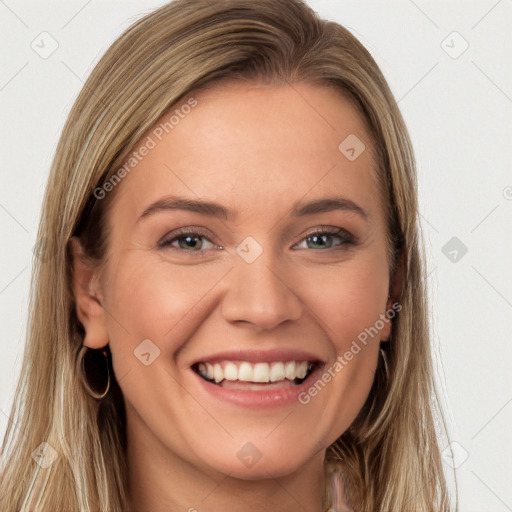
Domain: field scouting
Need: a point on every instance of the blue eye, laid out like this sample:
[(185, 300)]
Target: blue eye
[(323, 239)]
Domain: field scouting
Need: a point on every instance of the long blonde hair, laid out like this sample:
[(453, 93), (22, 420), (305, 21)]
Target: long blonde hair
[(390, 455)]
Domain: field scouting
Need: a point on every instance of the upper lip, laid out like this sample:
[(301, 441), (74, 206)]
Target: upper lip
[(260, 356)]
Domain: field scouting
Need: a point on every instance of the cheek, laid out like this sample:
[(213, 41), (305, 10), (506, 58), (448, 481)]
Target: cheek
[(148, 298), (351, 298), (349, 308)]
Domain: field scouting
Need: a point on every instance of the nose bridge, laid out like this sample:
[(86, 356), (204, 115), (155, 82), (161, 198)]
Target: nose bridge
[(259, 292)]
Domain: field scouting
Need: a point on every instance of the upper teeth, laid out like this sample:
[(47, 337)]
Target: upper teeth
[(258, 372)]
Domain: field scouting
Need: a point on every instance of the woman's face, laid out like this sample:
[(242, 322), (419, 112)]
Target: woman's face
[(247, 290)]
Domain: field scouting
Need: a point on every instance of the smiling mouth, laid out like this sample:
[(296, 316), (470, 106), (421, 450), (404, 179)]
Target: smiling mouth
[(254, 376)]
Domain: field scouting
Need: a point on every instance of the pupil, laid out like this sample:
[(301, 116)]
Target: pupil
[(319, 240), (190, 241)]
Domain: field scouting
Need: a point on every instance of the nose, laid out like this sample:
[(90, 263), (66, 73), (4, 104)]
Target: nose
[(260, 293)]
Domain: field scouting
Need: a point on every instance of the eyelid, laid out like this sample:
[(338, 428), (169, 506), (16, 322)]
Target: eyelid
[(328, 229)]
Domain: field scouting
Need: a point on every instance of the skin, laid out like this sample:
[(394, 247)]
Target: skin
[(256, 150)]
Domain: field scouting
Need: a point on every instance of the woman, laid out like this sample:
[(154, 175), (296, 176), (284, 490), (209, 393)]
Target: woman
[(233, 316)]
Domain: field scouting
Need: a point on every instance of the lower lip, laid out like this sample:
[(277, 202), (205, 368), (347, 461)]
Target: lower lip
[(259, 399)]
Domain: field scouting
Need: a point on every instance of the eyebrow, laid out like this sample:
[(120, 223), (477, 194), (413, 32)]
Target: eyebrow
[(213, 209)]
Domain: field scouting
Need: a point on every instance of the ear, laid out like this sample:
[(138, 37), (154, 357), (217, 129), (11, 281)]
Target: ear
[(396, 287), (88, 297)]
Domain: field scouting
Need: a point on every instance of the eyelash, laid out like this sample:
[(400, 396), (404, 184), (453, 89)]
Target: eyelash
[(346, 238)]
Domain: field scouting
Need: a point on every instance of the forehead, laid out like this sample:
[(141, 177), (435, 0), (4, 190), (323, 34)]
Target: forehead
[(255, 147)]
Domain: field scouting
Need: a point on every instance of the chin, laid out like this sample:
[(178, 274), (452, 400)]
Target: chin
[(250, 463)]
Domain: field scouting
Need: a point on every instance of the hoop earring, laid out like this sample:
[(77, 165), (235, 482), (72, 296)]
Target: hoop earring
[(94, 363), (339, 493)]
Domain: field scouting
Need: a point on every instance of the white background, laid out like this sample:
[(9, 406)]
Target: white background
[(458, 107)]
